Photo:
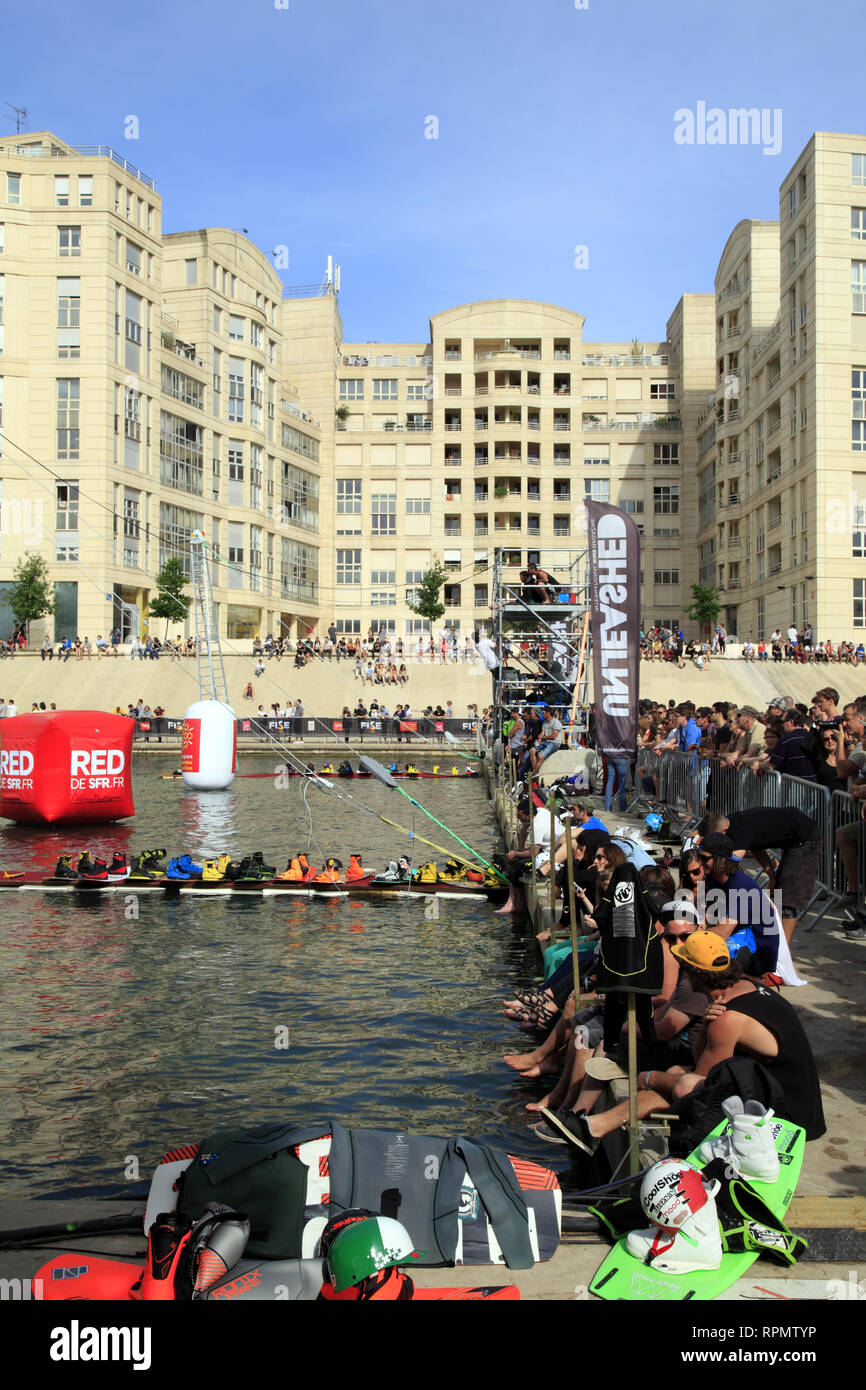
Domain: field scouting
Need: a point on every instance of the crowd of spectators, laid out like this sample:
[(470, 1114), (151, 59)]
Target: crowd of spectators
[(709, 951), (670, 644)]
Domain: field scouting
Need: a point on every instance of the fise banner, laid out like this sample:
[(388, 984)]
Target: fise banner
[(614, 600)]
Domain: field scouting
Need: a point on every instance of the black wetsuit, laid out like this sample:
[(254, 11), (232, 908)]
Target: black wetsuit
[(794, 1069)]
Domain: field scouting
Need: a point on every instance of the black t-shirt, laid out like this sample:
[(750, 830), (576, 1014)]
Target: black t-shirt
[(781, 827), (794, 1068)]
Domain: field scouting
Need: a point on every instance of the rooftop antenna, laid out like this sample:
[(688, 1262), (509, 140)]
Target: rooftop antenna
[(20, 117)]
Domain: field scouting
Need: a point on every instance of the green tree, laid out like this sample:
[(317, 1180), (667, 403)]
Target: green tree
[(169, 602), (704, 608), (31, 595), (427, 602)]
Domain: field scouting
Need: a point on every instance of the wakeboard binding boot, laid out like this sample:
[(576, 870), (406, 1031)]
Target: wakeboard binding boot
[(748, 1145), (685, 1234), (63, 868)]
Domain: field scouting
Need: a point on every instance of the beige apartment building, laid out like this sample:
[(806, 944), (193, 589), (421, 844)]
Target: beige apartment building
[(152, 384), (781, 484)]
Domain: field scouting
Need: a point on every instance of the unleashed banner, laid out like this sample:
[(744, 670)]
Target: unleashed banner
[(614, 600)]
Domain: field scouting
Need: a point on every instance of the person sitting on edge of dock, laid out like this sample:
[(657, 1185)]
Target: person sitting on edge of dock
[(742, 1019)]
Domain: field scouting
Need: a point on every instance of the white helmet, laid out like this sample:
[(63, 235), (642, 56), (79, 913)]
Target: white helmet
[(672, 1191)]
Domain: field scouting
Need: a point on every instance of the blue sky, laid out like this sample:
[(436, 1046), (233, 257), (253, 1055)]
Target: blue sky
[(307, 124)]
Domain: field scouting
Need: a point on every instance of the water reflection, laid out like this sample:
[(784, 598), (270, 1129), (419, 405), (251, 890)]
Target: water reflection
[(125, 1035)]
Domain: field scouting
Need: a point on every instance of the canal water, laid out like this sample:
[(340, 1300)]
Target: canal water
[(133, 1024)]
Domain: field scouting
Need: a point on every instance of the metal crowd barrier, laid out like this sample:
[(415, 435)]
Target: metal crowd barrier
[(690, 785), (354, 729)]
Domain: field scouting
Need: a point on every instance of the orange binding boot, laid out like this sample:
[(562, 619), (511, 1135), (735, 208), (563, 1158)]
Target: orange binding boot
[(294, 871), (356, 867)]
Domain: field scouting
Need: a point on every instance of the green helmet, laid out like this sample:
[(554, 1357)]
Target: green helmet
[(366, 1247)]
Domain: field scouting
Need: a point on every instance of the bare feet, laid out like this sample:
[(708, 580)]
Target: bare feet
[(520, 1060), (549, 1067), (535, 1105)]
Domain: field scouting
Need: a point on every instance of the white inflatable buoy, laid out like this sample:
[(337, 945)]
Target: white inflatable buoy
[(209, 749)]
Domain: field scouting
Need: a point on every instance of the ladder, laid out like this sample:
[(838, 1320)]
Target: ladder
[(209, 658)]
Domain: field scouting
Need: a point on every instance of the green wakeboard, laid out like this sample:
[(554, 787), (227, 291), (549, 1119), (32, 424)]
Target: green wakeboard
[(621, 1276)]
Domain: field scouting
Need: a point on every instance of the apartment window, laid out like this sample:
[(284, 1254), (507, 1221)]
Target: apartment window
[(189, 267), (182, 387), (69, 241), (418, 506), (348, 566), (383, 598), (181, 453), (13, 189), (1, 424), (858, 224), (68, 315), (632, 505), (132, 414), (663, 391), (255, 335), (481, 599), (858, 408), (858, 170), (131, 528), (236, 328), (68, 403), (349, 498), (666, 500), (256, 477), (384, 513), (236, 390), (61, 190), (217, 319), (236, 466), (384, 388), (133, 258), (85, 190), (597, 489), (860, 602), (352, 389), (66, 506), (2, 327), (858, 287), (416, 391), (666, 455), (2, 238), (666, 576), (562, 526)]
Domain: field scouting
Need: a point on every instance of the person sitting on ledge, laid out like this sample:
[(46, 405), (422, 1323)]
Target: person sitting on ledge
[(742, 1019)]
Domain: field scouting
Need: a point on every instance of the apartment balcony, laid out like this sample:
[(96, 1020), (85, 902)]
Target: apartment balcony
[(774, 426), (509, 354), (733, 289), (774, 523), (602, 359), (769, 337)]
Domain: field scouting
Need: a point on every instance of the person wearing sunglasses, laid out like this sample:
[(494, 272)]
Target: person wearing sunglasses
[(691, 871), (731, 895)]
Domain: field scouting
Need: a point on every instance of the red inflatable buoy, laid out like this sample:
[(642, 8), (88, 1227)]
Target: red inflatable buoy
[(66, 766)]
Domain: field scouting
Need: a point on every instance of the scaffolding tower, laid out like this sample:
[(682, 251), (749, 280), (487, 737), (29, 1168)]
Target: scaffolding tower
[(544, 646)]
